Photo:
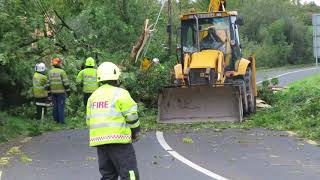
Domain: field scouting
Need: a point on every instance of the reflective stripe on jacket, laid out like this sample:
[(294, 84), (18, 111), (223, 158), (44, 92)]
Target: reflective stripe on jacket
[(58, 81), (88, 77), (111, 113), (39, 82)]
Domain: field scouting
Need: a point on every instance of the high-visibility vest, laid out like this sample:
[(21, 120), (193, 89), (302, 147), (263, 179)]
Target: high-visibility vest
[(111, 114), (58, 81), (88, 77), (39, 82)]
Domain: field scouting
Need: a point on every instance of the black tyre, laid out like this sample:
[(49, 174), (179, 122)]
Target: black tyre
[(212, 77), (250, 92), (243, 93)]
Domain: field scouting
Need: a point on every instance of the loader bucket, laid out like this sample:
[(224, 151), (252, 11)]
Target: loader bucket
[(200, 104)]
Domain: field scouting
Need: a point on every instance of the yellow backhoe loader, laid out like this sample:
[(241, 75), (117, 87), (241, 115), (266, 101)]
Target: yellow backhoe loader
[(212, 80)]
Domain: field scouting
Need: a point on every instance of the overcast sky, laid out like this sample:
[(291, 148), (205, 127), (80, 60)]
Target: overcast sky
[(316, 1)]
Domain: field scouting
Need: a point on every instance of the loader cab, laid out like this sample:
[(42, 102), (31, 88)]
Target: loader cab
[(210, 31)]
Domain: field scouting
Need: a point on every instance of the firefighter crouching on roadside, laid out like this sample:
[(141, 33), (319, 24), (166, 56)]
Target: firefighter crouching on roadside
[(112, 117), (88, 78), (40, 89)]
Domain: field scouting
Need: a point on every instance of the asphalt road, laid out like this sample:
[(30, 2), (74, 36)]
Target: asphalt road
[(66, 156), (287, 76), (250, 155), (234, 154)]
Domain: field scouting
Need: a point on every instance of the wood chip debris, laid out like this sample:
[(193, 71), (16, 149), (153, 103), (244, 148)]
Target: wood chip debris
[(262, 104)]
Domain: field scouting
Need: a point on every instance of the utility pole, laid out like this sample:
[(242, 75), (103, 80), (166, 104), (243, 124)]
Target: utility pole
[(169, 27), (316, 36)]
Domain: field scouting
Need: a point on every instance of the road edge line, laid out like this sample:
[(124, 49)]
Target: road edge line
[(184, 160), (287, 73)]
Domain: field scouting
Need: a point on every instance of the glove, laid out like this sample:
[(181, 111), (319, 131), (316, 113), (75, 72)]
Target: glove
[(68, 93), (49, 97), (135, 137)]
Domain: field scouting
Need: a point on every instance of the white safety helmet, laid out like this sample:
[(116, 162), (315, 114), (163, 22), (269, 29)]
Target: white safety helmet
[(40, 67), (156, 60), (108, 71)]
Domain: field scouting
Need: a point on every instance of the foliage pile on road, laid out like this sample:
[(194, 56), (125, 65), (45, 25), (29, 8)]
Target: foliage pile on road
[(296, 109)]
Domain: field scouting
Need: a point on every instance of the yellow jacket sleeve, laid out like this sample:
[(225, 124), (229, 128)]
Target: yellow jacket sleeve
[(129, 109), (88, 112), (80, 77)]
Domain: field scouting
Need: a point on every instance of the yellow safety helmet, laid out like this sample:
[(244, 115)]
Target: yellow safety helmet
[(90, 61), (108, 71)]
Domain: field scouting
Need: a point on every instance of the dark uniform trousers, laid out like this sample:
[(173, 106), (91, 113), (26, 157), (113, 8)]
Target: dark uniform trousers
[(85, 99), (117, 160), (39, 107)]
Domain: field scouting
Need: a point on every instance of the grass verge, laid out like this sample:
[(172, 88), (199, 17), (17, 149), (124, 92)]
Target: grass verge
[(14, 126), (295, 109)]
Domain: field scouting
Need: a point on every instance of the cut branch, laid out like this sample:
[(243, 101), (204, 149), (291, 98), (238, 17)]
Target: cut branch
[(137, 48), (64, 24)]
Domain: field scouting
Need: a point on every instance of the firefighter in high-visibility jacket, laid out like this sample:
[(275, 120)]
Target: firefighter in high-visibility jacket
[(88, 78), (40, 89), (59, 87), (112, 117)]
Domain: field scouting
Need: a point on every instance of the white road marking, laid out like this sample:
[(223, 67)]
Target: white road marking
[(292, 72), (0, 174), (176, 155)]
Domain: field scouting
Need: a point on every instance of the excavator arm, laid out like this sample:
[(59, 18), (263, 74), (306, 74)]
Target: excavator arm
[(217, 5)]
